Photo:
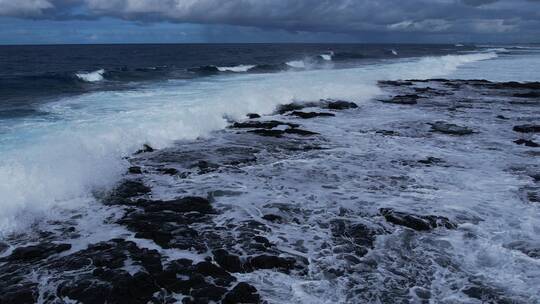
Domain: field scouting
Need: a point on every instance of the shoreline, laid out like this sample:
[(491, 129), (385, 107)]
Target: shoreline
[(325, 196)]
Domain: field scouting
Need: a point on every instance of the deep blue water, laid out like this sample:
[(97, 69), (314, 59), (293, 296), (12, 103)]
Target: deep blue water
[(31, 75)]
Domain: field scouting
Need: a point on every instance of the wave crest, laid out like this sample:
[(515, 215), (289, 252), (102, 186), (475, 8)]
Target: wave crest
[(94, 76)]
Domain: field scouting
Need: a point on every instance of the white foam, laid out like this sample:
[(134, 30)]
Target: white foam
[(236, 69), (91, 76), (49, 164), (394, 52), (327, 57), (299, 64)]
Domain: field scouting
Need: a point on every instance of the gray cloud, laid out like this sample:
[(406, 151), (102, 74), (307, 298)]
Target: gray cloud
[(336, 16)]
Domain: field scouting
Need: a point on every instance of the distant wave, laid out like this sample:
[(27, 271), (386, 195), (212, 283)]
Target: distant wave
[(94, 76), (269, 68), (327, 57), (236, 69), (299, 64)]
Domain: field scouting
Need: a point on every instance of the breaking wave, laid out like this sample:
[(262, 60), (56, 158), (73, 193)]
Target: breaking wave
[(48, 164), (94, 76)]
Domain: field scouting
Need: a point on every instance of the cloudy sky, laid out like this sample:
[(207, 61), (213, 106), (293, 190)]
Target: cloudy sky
[(166, 21)]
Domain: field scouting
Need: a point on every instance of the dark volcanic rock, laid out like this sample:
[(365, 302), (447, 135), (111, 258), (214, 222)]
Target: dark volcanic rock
[(527, 143), (269, 133), (529, 248), (528, 95), (300, 132), (253, 115), (448, 128), (168, 171), (395, 83), (128, 189), (20, 294), (273, 218), (410, 99), (37, 252), (146, 149), (387, 132), (282, 109), (307, 115), (242, 293), (280, 133), (185, 204), (416, 222), (261, 124), (340, 105), (271, 262), (135, 170), (229, 262), (431, 161), (527, 128), (3, 247)]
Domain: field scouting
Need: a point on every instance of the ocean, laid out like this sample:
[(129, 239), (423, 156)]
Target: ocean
[(72, 116)]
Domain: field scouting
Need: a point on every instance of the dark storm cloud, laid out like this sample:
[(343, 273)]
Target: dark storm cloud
[(337, 16)]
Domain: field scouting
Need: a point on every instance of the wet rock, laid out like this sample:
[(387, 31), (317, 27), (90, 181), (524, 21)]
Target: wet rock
[(211, 270), (135, 170), (253, 115), (487, 294), (409, 99), (268, 133), (168, 171), (205, 166), (387, 133), (528, 95), (282, 109), (242, 293), (527, 128), (3, 247), (85, 291), (395, 83), (529, 248), (307, 115), (19, 294), (361, 235), (431, 161), (451, 129), (37, 252), (271, 262), (280, 133), (208, 293), (516, 85), (416, 222), (340, 105), (300, 132), (262, 124), (273, 218), (128, 189), (146, 149), (527, 143), (229, 262)]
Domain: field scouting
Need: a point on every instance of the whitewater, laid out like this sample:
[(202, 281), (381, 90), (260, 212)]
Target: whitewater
[(321, 200), (59, 163)]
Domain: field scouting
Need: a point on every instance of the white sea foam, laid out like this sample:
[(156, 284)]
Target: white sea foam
[(237, 68), (47, 164), (91, 76), (299, 64), (328, 56)]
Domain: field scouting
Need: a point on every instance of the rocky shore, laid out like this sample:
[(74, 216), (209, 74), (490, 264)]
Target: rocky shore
[(321, 202)]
